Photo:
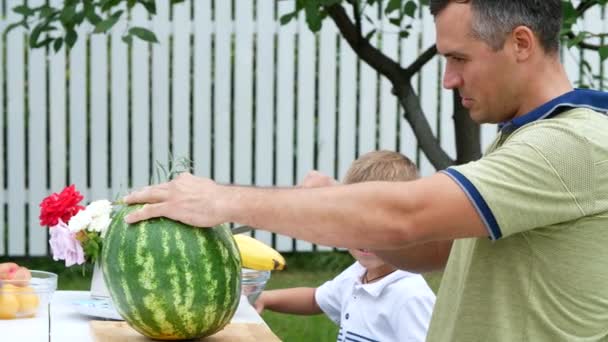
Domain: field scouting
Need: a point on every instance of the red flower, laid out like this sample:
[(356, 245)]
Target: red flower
[(60, 206)]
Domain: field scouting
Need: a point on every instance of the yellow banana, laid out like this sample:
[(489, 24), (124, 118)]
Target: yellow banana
[(257, 255)]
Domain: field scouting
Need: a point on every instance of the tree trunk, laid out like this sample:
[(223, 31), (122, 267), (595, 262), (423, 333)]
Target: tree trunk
[(467, 133)]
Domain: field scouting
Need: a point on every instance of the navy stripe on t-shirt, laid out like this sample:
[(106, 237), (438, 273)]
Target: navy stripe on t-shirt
[(479, 203)]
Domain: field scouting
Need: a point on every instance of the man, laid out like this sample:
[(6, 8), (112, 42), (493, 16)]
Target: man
[(525, 227)]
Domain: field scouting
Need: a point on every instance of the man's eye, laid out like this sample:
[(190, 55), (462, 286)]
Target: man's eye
[(457, 59)]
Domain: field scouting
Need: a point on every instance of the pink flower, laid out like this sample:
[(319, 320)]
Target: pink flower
[(65, 246)]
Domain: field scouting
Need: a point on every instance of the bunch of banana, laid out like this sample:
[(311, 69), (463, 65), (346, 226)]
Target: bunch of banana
[(257, 255)]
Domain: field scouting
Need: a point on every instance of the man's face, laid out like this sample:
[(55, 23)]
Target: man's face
[(486, 79)]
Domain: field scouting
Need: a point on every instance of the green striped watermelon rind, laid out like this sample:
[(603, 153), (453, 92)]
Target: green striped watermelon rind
[(169, 280)]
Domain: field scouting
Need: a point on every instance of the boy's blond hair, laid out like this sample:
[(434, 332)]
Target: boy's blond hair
[(381, 166)]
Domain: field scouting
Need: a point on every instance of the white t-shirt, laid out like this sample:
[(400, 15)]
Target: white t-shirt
[(397, 307)]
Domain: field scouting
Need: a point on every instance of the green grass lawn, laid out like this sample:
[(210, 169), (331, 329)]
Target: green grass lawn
[(304, 269)]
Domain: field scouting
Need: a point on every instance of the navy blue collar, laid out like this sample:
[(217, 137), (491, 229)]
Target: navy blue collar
[(577, 98)]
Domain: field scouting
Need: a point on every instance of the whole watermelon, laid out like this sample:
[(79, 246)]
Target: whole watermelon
[(171, 281)]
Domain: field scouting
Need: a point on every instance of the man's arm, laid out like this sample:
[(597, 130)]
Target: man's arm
[(375, 215), (426, 257)]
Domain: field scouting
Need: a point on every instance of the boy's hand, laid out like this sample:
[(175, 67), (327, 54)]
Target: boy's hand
[(260, 303), (316, 179)]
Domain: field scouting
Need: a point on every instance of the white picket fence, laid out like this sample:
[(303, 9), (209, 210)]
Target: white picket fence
[(248, 100)]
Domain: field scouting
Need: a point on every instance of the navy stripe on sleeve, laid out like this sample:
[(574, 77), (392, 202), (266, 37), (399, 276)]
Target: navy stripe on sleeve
[(479, 203)]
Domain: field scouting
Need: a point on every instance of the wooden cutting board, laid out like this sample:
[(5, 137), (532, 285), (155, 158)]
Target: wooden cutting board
[(112, 331)]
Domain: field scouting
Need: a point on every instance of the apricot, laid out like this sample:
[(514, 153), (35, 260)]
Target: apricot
[(9, 306), (28, 301), (21, 276), (7, 269)]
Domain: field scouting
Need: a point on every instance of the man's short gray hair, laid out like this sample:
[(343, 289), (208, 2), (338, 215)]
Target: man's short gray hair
[(493, 20)]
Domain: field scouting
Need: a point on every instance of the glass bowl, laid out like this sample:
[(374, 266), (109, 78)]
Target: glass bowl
[(25, 299), (253, 283)]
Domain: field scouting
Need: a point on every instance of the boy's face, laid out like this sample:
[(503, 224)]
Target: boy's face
[(366, 258)]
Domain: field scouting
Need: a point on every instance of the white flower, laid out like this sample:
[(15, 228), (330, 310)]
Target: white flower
[(100, 214), (79, 221), (100, 224), (100, 208)]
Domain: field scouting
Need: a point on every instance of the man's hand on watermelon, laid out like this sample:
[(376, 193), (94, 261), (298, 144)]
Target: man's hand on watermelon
[(188, 199)]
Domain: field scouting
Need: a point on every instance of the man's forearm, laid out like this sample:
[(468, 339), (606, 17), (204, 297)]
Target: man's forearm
[(426, 257), (366, 215)]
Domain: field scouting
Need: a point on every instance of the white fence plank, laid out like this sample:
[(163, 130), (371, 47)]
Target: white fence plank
[(326, 117), (222, 114), (58, 118), (243, 91), (37, 137), (161, 90), (326, 140), (3, 148), (119, 142), (202, 148), (77, 115), (347, 109), (181, 81), (140, 103), (428, 88), (15, 139), (264, 101), (285, 110), (368, 84), (305, 129), (100, 148)]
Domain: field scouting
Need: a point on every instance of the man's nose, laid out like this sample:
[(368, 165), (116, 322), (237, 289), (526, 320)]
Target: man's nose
[(451, 79)]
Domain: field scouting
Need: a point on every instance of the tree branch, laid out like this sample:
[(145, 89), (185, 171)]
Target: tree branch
[(422, 130), (424, 58), (580, 10), (368, 53)]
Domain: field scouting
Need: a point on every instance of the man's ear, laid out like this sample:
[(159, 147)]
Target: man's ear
[(524, 43)]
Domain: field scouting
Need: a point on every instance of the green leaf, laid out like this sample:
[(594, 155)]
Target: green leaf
[(603, 51), (13, 26), (58, 44), (70, 38), (285, 19), (393, 5), (410, 9), (313, 17), (577, 39), (404, 34), (395, 21), (370, 34), (143, 34), (67, 15), (127, 38), (105, 25), (149, 5), (23, 10)]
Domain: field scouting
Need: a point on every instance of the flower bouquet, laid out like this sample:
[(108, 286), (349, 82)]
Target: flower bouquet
[(76, 231)]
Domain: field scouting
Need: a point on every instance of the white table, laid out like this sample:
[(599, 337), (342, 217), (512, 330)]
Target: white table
[(67, 325)]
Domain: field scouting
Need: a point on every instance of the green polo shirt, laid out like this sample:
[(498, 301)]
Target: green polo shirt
[(542, 191)]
